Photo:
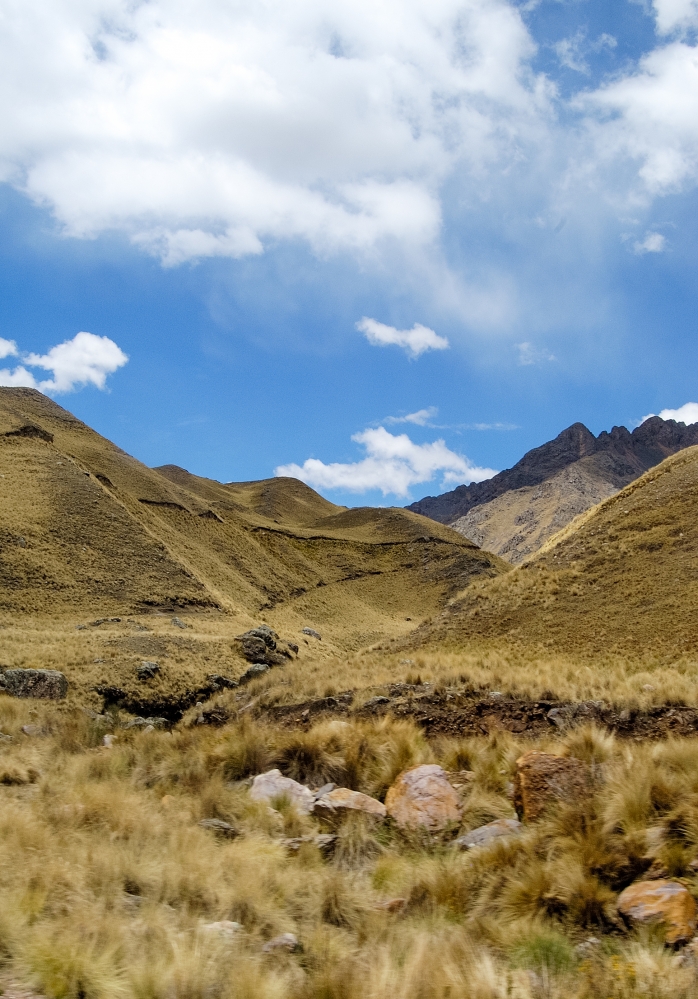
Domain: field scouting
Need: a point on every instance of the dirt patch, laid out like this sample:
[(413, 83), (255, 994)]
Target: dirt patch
[(466, 713)]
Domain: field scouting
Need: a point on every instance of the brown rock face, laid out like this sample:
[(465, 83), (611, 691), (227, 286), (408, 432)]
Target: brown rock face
[(542, 779), (665, 902), (422, 797), (340, 801)]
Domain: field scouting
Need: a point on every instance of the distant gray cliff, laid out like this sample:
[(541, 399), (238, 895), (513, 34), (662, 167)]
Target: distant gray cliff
[(619, 457)]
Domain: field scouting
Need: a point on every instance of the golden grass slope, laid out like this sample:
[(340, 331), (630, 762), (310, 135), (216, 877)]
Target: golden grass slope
[(86, 531), (621, 580)]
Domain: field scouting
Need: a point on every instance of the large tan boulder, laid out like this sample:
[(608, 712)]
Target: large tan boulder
[(341, 801), (542, 779), (422, 797), (665, 902)]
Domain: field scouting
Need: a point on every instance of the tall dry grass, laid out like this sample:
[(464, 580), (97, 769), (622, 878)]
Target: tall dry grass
[(107, 882)]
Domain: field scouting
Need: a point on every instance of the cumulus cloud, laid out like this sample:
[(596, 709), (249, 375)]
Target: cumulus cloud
[(675, 15), (214, 129), (415, 341), (529, 354), (421, 418), (8, 348), (650, 117), (653, 242), (85, 360), (688, 413), (392, 464)]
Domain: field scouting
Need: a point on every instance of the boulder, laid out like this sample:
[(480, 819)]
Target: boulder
[(313, 633), (285, 941), (542, 779), (665, 902), (341, 801), (147, 670), (220, 828), (271, 785), (255, 671), (259, 645), (46, 683), (323, 841), (422, 797), (484, 835), (226, 929)]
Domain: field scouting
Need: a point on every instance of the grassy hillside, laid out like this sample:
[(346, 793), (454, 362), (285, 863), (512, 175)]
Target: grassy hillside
[(609, 600), (87, 533)]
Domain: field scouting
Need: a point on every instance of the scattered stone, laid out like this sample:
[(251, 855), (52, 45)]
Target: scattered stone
[(312, 633), (224, 928), (216, 715), (324, 842), (648, 687), (375, 702), (257, 670), (32, 730), (108, 741), (147, 670), (422, 797), (293, 647), (220, 828), (339, 802), (285, 941), (143, 723), (542, 779), (105, 620), (178, 623), (149, 728), (273, 785), (44, 683), (407, 662), (587, 947), (484, 835), (665, 902), (5, 738), (217, 681)]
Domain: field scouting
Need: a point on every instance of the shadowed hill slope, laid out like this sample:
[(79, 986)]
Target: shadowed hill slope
[(85, 529), (622, 578)]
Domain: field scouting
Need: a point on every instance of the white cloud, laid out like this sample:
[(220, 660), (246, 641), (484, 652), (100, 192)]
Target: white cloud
[(421, 418), (650, 117), (529, 354), (392, 464), (688, 413), (415, 341), (85, 360), (571, 52), (653, 242), (213, 129), (675, 15), (8, 348)]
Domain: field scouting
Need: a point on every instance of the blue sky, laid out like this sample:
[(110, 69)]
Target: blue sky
[(303, 224)]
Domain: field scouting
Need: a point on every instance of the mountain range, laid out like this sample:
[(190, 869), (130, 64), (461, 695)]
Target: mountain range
[(516, 511)]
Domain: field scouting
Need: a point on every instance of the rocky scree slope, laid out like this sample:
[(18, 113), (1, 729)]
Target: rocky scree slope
[(514, 513)]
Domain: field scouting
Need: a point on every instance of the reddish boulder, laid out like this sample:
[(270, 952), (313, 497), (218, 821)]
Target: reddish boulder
[(422, 797), (542, 779)]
